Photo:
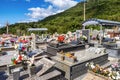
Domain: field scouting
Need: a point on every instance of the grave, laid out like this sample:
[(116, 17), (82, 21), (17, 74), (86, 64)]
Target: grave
[(112, 49), (113, 52), (64, 47), (8, 48), (55, 47), (44, 70), (75, 69), (46, 64), (109, 45), (16, 74)]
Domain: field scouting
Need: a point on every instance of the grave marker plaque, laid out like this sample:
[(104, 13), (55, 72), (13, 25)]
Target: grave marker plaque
[(47, 64), (86, 32)]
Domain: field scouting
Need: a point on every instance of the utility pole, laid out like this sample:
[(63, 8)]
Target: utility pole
[(84, 10), (7, 24)]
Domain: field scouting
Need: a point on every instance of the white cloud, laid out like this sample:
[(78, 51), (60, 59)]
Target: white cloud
[(40, 12), (56, 6), (62, 4), (27, 0)]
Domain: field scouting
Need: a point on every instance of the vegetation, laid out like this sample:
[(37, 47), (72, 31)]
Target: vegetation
[(71, 19)]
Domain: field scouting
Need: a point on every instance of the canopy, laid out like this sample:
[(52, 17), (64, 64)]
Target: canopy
[(101, 22), (37, 29)]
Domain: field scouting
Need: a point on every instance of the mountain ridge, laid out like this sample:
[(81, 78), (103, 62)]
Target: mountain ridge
[(71, 19)]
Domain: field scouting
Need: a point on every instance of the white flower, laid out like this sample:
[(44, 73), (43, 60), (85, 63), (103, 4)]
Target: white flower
[(87, 64), (118, 76), (92, 66), (113, 77)]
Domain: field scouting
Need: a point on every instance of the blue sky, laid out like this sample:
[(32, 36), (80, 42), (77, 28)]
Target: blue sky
[(15, 11)]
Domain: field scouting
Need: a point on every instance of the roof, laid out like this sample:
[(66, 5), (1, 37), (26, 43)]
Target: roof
[(94, 21), (37, 29)]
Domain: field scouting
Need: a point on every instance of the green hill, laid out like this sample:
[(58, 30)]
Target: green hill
[(71, 19)]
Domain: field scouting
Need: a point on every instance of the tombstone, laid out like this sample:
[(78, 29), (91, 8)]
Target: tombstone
[(78, 33), (31, 70), (16, 73), (33, 42), (46, 65), (56, 34), (69, 33), (9, 69), (86, 32)]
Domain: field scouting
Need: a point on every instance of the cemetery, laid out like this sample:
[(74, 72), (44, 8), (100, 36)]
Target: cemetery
[(71, 56)]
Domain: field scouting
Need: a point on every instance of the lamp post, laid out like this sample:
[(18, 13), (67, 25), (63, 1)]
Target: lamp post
[(84, 11)]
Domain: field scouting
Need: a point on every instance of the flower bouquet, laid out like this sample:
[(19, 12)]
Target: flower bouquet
[(102, 72), (70, 57)]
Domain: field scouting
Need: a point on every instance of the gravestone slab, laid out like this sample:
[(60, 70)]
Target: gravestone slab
[(65, 48), (47, 64), (76, 69), (16, 73), (86, 32)]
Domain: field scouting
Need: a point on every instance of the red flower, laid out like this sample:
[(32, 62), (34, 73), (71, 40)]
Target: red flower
[(23, 48), (15, 61), (20, 57), (61, 38)]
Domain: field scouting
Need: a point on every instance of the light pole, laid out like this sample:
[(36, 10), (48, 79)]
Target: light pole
[(84, 11)]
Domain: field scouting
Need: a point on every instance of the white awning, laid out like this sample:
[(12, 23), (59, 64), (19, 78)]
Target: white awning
[(37, 29), (94, 21)]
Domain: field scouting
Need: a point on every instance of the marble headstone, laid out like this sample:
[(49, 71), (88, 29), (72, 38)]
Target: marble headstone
[(33, 43), (86, 32)]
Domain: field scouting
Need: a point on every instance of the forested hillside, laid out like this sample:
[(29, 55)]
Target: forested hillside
[(71, 19)]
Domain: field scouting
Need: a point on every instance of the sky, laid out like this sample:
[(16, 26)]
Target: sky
[(18, 11)]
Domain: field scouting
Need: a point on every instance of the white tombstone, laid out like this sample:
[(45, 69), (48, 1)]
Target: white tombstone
[(33, 42), (78, 33)]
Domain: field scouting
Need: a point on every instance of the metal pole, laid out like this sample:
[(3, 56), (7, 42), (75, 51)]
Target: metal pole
[(84, 10), (100, 34)]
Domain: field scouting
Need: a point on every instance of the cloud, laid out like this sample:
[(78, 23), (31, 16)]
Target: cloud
[(56, 6), (62, 4), (27, 0), (40, 12)]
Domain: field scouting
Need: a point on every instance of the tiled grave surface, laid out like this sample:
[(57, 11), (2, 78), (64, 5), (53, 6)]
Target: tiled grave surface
[(73, 70)]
